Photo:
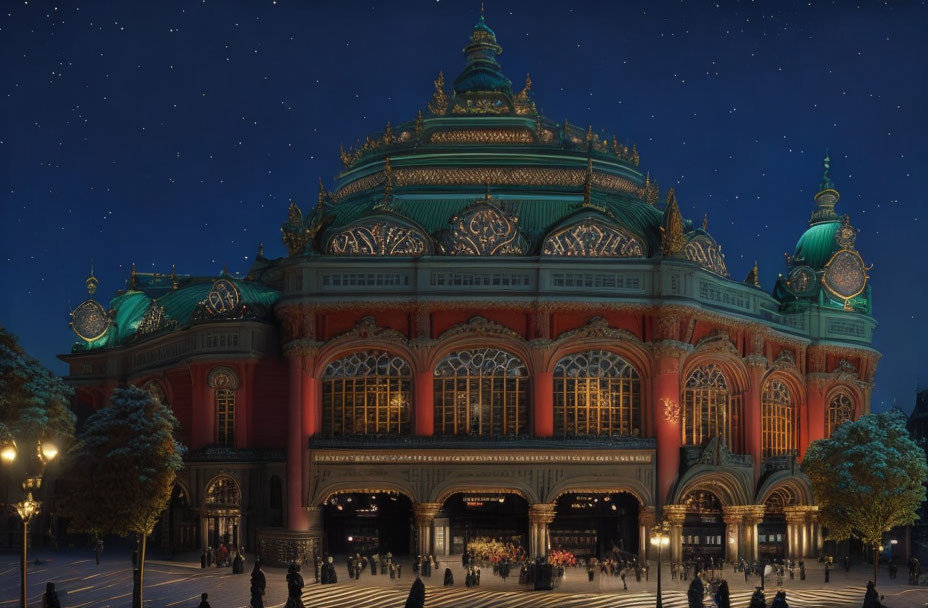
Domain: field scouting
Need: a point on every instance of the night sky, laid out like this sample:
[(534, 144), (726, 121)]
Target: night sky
[(176, 132)]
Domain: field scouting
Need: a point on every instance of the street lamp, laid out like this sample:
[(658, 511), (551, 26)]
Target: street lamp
[(660, 538), (28, 507)]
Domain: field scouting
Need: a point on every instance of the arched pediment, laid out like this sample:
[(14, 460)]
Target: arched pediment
[(484, 229), (592, 237), (381, 235), (703, 250)]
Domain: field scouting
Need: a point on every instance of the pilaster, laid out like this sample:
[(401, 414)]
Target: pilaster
[(424, 515), (674, 515), (540, 516)]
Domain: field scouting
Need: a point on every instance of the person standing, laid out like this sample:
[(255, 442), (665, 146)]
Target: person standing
[(758, 600), (827, 571), (802, 570), (294, 587), (779, 601), (696, 593), (589, 570), (98, 549), (50, 599), (258, 586), (203, 601), (722, 595)]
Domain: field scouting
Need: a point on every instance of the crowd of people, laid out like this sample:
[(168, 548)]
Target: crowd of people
[(223, 557)]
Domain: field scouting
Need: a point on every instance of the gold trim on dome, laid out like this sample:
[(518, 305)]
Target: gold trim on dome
[(378, 238), (592, 238), (707, 254), (480, 176), (484, 230), (483, 136)]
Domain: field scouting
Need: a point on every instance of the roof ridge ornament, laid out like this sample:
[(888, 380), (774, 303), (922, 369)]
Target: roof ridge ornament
[(438, 105), (91, 282), (753, 277), (672, 238)]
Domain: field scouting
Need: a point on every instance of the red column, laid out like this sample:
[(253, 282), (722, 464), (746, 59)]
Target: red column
[(815, 410), (242, 407), (296, 515), (753, 443), (425, 404), (544, 404), (667, 419)]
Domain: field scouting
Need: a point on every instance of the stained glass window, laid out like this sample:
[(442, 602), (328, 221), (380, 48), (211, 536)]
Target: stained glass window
[(778, 434), (481, 392), (710, 409), (366, 393), (840, 410), (596, 392)]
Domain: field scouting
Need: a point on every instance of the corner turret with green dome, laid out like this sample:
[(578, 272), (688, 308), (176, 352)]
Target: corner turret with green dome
[(825, 269)]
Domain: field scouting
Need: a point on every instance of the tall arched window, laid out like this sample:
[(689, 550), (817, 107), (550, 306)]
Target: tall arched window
[(224, 383), (596, 392), (840, 409), (481, 392), (710, 409), (778, 429), (366, 393)]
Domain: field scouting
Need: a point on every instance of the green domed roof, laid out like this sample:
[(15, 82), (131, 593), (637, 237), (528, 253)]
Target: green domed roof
[(816, 245)]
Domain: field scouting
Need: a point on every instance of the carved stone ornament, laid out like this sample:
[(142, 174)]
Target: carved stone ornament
[(293, 232), (719, 342), (801, 280), (222, 377), (846, 234), (224, 301), (785, 360), (479, 326), (845, 275), (671, 410), (378, 237), (705, 252), (90, 321), (484, 230), (154, 320), (845, 367), (592, 238), (598, 327), (367, 328)]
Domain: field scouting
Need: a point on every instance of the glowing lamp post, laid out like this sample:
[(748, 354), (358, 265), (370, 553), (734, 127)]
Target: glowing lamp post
[(660, 538), (28, 507)]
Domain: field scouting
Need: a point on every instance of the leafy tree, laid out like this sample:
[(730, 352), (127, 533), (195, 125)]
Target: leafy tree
[(867, 478), (34, 403), (123, 471)]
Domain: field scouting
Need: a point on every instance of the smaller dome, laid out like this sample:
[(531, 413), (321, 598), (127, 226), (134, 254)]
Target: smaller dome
[(817, 244)]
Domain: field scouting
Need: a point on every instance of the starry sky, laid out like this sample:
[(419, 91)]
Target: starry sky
[(173, 132)]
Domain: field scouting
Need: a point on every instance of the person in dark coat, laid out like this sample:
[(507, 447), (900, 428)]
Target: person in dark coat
[(779, 601), (449, 577), (98, 549), (722, 595), (802, 570), (258, 586), (203, 603), (202, 559), (871, 598), (416, 597), (330, 574), (695, 593), (758, 600), (827, 571), (238, 564), (294, 587), (50, 599)]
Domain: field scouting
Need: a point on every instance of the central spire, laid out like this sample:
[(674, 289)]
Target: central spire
[(826, 199), (482, 76)]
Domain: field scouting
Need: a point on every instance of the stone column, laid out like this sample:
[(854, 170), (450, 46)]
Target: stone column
[(543, 400), (815, 532), (753, 442), (540, 516), (646, 519), (674, 515), (732, 516), (296, 516), (666, 414), (795, 522), (753, 514), (424, 514)]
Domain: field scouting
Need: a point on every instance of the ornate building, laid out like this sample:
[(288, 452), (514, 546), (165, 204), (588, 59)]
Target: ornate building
[(495, 325)]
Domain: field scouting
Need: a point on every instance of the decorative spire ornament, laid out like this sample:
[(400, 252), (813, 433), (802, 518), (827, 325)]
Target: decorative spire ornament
[(672, 238), (91, 282), (438, 105), (705, 222), (588, 184), (753, 277)]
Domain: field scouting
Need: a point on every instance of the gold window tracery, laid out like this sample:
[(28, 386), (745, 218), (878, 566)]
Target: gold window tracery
[(710, 409), (481, 392), (840, 409), (224, 383), (778, 429), (596, 392), (366, 393)]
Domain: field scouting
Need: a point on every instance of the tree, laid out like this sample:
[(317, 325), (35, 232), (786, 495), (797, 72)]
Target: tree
[(867, 478), (125, 462), (34, 403)]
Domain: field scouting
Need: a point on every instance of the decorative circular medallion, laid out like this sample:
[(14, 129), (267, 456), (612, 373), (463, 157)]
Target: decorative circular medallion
[(845, 274), (222, 298), (90, 321), (845, 236), (801, 280)]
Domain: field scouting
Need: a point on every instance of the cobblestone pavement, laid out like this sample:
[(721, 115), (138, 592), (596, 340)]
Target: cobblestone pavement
[(178, 584)]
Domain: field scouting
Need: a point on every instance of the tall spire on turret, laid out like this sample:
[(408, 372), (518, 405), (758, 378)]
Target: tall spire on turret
[(826, 199), (672, 239), (481, 86), (91, 282)]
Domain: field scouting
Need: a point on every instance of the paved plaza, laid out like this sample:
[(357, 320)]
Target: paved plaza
[(82, 583)]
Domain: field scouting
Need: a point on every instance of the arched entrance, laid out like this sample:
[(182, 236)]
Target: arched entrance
[(771, 531), (592, 524), (366, 523), (182, 523), (703, 527), (223, 512), (490, 515)]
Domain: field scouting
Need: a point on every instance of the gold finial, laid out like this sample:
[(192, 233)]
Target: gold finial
[(132, 278), (651, 191), (753, 277), (589, 133), (91, 282), (565, 128), (482, 14), (388, 137), (346, 159), (387, 182), (439, 102), (588, 184), (293, 232), (705, 222), (320, 200), (419, 124), (174, 277), (672, 239), (635, 157), (615, 145)]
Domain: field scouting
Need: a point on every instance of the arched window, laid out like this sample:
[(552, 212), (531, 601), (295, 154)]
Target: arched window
[(710, 409), (366, 393), (224, 383), (223, 492), (840, 410), (596, 392), (778, 429), (481, 392)]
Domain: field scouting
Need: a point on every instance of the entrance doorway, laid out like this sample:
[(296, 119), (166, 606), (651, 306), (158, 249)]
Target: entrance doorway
[(380, 522), (703, 527), (596, 525), (223, 513), (183, 523), (486, 515)]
